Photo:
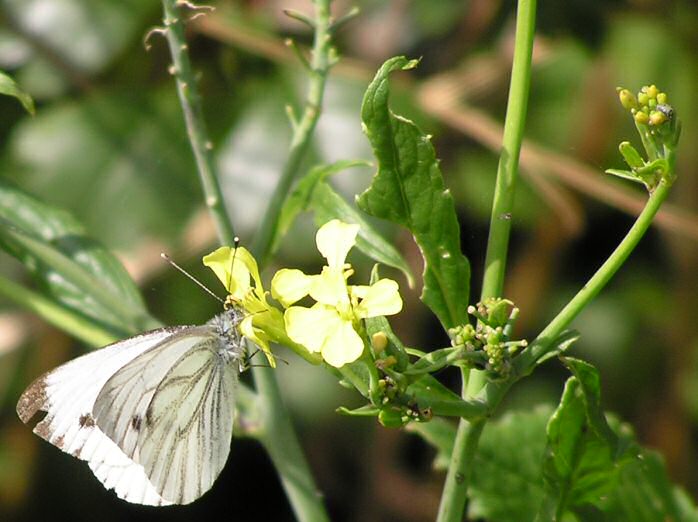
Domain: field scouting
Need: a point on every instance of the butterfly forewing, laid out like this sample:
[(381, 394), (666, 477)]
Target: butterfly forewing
[(67, 395), (152, 415), (120, 407)]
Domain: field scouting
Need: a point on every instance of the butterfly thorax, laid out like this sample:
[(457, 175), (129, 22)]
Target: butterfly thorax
[(226, 327)]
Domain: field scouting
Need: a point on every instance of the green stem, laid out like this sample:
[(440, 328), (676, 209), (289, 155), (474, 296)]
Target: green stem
[(281, 442), (468, 435), (276, 433), (190, 101), (63, 318), (320, 64), (543, 342)]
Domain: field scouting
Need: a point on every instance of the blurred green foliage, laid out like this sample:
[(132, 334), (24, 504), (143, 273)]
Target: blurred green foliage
[(108, 145)]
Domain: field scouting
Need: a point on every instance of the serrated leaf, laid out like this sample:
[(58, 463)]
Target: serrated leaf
[(408, 189), (644, 493), (9, 87), (506, 485), (72, 268), (583, 455)]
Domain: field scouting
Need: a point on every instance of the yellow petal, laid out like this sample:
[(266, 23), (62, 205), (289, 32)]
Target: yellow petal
[(343, 345), (381, 298), (258, 337), (334, 239), (290, 285), (329, 288), (310, 326), (234, 267), (219, 262)]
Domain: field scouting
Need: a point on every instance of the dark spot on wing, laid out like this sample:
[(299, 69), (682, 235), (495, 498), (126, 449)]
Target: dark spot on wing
[(136, 421), (86, 420), (33, 399)]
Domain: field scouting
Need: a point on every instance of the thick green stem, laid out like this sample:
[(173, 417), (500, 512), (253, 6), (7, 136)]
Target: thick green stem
[(322, 60), (542, 343), (190, 100), (276, 431), (468, 435)]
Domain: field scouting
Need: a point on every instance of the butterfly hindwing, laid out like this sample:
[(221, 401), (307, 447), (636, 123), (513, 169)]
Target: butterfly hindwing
[(188, 426)]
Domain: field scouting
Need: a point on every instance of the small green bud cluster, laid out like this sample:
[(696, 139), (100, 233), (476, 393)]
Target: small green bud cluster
[(491, 336), (659, 130), (650, 107)]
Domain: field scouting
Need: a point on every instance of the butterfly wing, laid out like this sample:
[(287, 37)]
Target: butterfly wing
[(189, 424), (171, 411), (68, 393)]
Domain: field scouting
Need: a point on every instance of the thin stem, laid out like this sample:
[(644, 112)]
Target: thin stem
[(455, 490), (542, 343), (320, 64), (507, 171), (276, 431), (281, 442), (190, 100)]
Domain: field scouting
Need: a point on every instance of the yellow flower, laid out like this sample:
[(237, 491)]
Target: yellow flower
[(238, 271), (332, 325)]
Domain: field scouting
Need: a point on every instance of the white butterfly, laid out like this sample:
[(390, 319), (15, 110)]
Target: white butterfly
[(152, 415)]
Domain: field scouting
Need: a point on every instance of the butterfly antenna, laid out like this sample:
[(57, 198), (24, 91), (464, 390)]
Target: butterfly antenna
[(236, 244), (201, 285)]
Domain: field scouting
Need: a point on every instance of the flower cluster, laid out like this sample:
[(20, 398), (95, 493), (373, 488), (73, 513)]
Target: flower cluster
[(332, 327), (491, 335), (659, 130)]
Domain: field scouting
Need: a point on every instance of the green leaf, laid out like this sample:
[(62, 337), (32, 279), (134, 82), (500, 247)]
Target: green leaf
[(408, 189), (507, 485), (302, 195), (72, 268), (625, 174), (313, 193), (584, 455), (9, 87), (433, 395), (643, 493), (329, 205)]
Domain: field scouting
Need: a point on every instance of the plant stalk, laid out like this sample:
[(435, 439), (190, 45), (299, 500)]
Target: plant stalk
[(190, 100), (277, 434), (468, 434), (322, 60), (543, 342)]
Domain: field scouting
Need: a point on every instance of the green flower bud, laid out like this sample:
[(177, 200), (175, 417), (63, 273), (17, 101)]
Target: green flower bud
[(642, 98), (652, 91), (657, 118), (642, 118), (627, 99), (631, 155), (662, 98), (379, 341)]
